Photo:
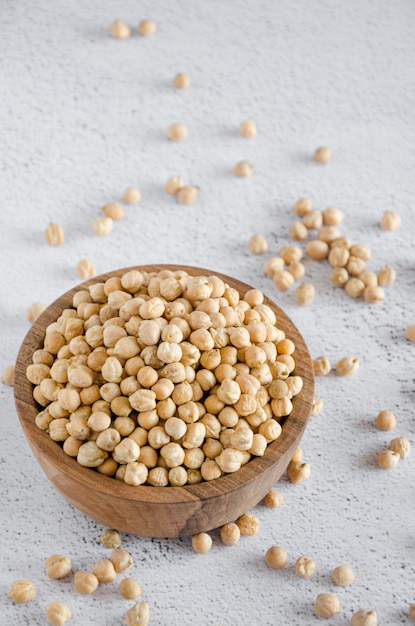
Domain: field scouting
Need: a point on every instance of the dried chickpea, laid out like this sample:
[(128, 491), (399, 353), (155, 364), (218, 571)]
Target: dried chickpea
[(343, 575), (273, 265), (297, 456), (273, 499), (317, 250), (119, 30), (410, 332), (332, 216), (385, 420), (173, 185), (327, 605), (386, 275), (131, 195), (7, 376), (201, 543), (111, 538), (317, 406), (138, 615), (354, 287), (373, 294), (147, 28), (347, 365), (121, 560), (390, 220), (129, 588), (248, 524), (85, 582), (54, 234), (313, 220), (297, 269), (298, 231), (187, 194), (57, 613), (58, 566), (339, 276), (181, 81), (247, 128), (401, 445), (304, 567), (322, 155), (338, 256), (34, 311), (243, 169), (321, 366), (230, 534), (113, 210), (276, 557), (303, 206), (283, 280), (104, 570), (388, 459), (85, 269), (102, 226), (177, 132), (21, 591), (364, 617), (298, 472), (304, 294), (258, 244)]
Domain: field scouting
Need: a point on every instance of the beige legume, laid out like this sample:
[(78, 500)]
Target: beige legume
[(119, 30), (243, 169), (247, 128), (21, 591), (385, 420), (58, 566), (57, 613), (401, 445), (131, 195), (322, 155), (364, 617), (388, 459), (343, 575), (305, 567), (130, 588), (138, 615), (177, 132), (258, 244), (390, 220), (276, 557), (147, 28), (85, 582), (54, 234), (248, 524), (327, 605)]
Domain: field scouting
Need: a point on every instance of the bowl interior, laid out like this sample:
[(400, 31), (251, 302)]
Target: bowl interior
[(161, 511)]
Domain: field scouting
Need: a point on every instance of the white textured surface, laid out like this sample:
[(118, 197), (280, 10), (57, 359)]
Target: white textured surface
[(84, 116)]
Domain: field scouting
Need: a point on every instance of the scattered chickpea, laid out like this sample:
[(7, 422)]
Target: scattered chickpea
[(343, 575), (273, 265), (248, 128), (102, 226), (129, 588), (21, 591), (347, 365), (187, 194), (276, 557), (177, 132), (322, 155), (388, 459), (258, 244), (58, 566), (181, 81), (354, 287), (248, 524), (201, 543), (317, 250), (410, 332), (386, 275), (138, 615), (7, 376), (373, 294), (411, 612), (85, 582), (283, 280), (113, 210), (364, 618), (321, 366), (332, 216), (230, 534), (317, 406), (297, 456), (298, 231), (327, 605), (303, 206), (298, 472), (54, 234), (147, 28), (273, 499), (119, 30), (304, 294), (131, 195), (173, 185), (111, 538), (57, 613), (390, 220), (121, 559), (339, 276), (85, 269), (243, 169), (104, 570), (34, 311), (385, 420), (297, 269), (401, 445), (305, 567)]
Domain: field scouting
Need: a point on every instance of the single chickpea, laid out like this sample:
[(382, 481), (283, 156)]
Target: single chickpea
[(347, 365), (258, 244), (131, 195), (303, 206), (129, 588), (322, 155), (102, 226), (34, 311), (390, 220), (321, 366), (111, 538), (339, 276), (273, 265), (297, 269), (247, 128), (177, 132), (273, 499), (385, 420), (248, 524), (21, 591), (113, 210), (298, 231), (54, 234), (343, 575), (317, 406), (332, 216), (104, 570), (57, 613), (410, 332), (313, 220), (327, 605), (201, 543), (187, 194), (373, 294), (85, 269), (297, 456), (181, 81), (7, 376), (138, 615), (364, 617), (173, 185), (354, 287), (243, 169), (283, 280), (276, 557), (230, 534), (119, 30), (304, 294), (401, 445), (317, 250), (298, 472), (58, 566), (388, 459), (85, 582), (305, 567), (147, 28), (121, 560)]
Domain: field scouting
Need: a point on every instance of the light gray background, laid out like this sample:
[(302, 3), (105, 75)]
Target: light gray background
[(82, 117)]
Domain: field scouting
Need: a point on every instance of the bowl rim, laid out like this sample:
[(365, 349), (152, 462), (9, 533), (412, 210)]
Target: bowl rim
[(293, 425)]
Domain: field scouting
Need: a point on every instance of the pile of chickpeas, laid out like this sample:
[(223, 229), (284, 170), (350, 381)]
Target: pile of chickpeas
[(163, 378)]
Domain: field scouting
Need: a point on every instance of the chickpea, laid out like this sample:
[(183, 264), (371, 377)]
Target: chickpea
[(181, 81), (111, 538), (258, 244), (364, 618), (58, 566), (276, 557), (388, 459), (248, 524), (131, 195), (129, 588), (147, 28), (327, 605), (85, 582), (177, 132), (400, 445), (187, 194), (138, 615), (322, 155), (201, 543), (119, 30), (273, 499), (57, 613), (247, 128), (390, 220), (104, 571), (21, 591), (298, 472), (305, 567), (121, 560), (243, 169), (343, 575)]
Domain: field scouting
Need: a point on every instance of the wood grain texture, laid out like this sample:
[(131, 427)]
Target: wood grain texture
[(161, 511)]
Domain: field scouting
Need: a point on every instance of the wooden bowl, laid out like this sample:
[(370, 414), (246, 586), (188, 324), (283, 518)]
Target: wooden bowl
[(161, 511)]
